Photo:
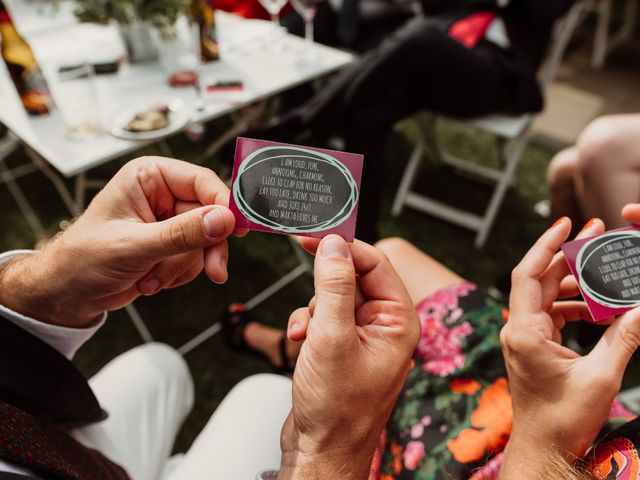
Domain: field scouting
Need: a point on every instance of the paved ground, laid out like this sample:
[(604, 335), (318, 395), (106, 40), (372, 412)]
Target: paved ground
[(581, 94)]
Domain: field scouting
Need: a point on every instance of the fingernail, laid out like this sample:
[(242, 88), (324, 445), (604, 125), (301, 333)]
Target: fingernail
[(151, 286), (334, 246), (590, 224), (214, 225), (560, 221), (294, 327)]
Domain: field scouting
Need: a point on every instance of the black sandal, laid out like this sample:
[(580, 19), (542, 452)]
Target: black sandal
[(235, 320)]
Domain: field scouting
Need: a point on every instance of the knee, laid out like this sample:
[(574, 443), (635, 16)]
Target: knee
[(393, 247), (168, 367), (562, 168), (257, 386), (597, 144)]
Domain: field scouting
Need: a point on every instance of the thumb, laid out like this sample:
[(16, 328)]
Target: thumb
[(193, 230), (335, 285), (619, 343)]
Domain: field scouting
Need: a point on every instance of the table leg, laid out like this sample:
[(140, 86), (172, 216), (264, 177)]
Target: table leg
[(7, 177), (245, 119), (80, 189), (304, 267), (165, 149), (135, 317), (57, 181)]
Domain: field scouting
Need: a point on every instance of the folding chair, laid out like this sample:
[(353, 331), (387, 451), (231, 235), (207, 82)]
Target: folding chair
[(604, 40), (512, 135)]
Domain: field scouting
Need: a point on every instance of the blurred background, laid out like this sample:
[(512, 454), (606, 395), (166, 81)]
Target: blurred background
[(207, 72)]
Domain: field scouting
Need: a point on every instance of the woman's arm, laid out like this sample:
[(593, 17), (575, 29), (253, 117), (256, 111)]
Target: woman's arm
[(560, 398)]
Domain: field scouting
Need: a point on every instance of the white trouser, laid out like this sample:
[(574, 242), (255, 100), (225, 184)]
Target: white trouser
[(148, 393)]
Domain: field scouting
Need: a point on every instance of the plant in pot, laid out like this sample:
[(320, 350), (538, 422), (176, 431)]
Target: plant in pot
[(135, 20)]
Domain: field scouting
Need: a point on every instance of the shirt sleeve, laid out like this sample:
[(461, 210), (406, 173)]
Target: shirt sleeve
[(267, 475), (65, 340)]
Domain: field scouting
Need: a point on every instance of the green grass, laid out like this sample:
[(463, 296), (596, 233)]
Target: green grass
[(177, 315)]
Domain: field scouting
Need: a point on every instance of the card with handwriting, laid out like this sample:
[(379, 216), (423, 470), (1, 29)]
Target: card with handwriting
[(295, 190), (607, 268)]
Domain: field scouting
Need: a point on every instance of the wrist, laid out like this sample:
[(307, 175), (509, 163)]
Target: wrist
[(521, 460), (29, 285), (298, 465), (530, 458)]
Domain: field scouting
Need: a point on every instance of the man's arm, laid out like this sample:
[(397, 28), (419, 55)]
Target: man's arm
[(64, 339), (157, 224)]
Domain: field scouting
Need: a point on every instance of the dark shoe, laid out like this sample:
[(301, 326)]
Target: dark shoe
[(234, 322)]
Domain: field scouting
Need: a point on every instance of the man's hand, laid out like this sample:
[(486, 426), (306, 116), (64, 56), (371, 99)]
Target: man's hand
[(155, 225), (560, 399), (361, 329)]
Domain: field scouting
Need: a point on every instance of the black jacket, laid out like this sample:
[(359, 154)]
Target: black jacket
[(42, 395)]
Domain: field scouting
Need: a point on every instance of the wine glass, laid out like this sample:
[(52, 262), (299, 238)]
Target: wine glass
[(274, 7), (307, 10)]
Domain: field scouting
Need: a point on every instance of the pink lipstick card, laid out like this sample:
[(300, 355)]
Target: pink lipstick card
[(607, 268), (295, 190)]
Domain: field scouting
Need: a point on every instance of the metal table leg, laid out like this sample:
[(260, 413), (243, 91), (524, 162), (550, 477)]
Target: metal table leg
[(8, 177), (58, 183), (304, 267), (135, 317)]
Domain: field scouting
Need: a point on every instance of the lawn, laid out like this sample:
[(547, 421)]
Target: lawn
[(177, 315)]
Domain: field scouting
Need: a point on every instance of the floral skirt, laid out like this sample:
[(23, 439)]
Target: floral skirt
[(453, 417)]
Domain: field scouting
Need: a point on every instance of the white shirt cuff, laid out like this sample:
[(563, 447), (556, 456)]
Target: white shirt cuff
[(267, 475), (65, 340)]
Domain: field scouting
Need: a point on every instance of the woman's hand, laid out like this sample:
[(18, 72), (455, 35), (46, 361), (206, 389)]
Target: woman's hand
[(631, 213), (361, 329), (560, 399)]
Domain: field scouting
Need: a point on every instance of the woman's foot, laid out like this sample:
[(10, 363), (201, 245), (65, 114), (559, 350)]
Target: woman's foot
[(241, 332), (273, 344)]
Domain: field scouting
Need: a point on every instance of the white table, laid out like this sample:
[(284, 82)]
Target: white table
[(264, 72)]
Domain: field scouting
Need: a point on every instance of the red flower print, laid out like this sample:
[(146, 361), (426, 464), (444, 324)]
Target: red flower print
[(467, 386), (440, 348), (490, 427), (413, 455), (396, 451)]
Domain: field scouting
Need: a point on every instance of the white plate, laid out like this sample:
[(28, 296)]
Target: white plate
[(179, 115)]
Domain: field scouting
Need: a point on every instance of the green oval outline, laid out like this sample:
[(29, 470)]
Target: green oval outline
[(333, 222), (581, 262)]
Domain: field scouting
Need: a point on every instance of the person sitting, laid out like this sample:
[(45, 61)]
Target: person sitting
[(492, 392), (358, 25), (600, 173), (157, 224), (464, 58)]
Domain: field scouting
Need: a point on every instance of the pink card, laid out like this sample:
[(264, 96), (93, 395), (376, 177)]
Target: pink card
[(607, 268), (295, 190)]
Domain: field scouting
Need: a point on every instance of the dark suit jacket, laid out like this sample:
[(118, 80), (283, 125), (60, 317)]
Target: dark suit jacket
[(39, 383), (529, 22), (529, 25)]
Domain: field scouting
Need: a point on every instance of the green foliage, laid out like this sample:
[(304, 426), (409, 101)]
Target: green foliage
[(160, 13)]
